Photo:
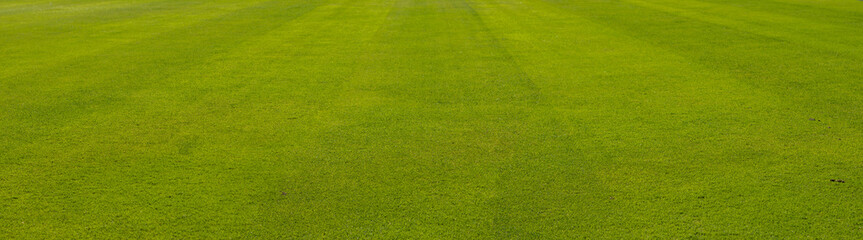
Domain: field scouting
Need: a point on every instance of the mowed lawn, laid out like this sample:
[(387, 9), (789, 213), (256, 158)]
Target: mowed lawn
[(447, 119)]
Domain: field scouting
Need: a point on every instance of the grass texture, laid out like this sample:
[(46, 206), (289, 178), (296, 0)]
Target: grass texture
[(467, 119)]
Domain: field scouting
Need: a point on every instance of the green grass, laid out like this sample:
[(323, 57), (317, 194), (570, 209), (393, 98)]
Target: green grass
[(468, 119)]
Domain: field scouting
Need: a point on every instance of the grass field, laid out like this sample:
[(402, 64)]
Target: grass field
[(468, 119)]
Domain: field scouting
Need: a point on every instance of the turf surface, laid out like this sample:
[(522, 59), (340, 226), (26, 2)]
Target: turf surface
[(431, 119)]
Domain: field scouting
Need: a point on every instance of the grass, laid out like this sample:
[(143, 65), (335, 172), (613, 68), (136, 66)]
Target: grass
[(431, 119)]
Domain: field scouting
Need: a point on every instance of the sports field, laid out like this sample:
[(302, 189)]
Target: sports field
[(443, 119)]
